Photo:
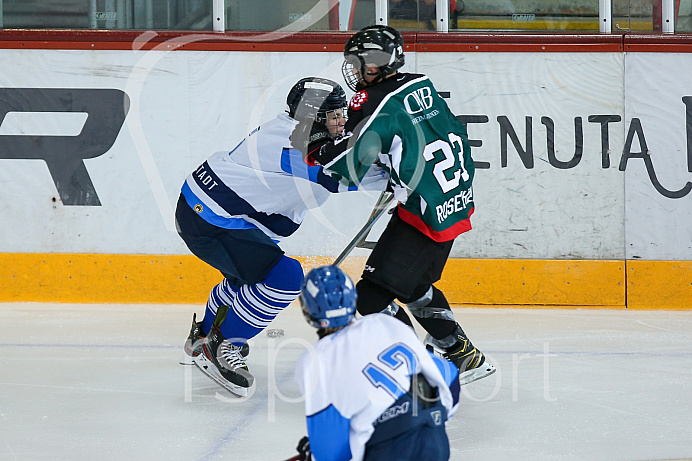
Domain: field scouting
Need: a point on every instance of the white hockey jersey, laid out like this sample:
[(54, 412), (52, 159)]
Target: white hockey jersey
[(262, 183), (352, 376)]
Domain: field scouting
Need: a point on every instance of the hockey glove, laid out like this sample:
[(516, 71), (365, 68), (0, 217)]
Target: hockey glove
[(319, 135), (299, 137), (304, 449), (308, 137)]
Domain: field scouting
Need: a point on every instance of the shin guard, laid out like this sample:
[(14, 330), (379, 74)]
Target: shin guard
[(432, 311)]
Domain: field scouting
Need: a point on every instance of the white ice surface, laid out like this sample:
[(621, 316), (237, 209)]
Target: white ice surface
[(85, 382)]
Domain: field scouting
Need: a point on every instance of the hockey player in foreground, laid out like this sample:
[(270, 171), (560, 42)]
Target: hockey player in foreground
[(399, 121), (232, 211), (372, 391)]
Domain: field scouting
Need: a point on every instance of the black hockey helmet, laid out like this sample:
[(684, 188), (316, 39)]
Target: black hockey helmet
[(312, 98), (373, 46)]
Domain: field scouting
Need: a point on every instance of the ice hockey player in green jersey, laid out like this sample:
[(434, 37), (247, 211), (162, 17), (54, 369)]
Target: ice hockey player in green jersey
[(398, 122)]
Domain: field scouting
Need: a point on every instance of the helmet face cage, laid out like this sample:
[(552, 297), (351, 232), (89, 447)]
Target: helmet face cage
[(328, 108), (328, 298), (334, 121), (352, 69), (375, 46)]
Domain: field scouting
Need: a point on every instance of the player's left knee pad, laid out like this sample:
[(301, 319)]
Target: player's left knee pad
[(432, 304), (419, 303)]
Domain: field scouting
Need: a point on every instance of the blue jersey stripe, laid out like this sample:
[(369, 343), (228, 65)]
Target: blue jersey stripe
[(293, 164), (233, 204), (214, 187), (209, 216), (329, 183), (328, 432)]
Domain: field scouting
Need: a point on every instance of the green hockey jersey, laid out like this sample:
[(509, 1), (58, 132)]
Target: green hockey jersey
[(404, 125)]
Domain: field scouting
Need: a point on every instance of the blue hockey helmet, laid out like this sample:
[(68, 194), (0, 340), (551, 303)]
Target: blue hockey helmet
[(328, 298)]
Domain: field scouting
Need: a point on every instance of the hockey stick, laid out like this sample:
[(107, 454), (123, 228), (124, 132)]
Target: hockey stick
[(295, 458), (381, 206), (359, 241)]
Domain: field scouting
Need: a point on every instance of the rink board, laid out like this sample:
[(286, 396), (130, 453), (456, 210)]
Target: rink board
[(583, 158), (97, 278)]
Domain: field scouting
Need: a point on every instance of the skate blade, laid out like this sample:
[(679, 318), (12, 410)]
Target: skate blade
[(209, 369), (187, 360), (470, 376)]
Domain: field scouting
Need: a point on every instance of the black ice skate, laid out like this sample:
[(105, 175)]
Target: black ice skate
[(470, 361), (193, 343), (222, 361), (458, 349)]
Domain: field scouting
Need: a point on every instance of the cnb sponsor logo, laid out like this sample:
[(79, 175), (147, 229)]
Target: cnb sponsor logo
[(419, 100)]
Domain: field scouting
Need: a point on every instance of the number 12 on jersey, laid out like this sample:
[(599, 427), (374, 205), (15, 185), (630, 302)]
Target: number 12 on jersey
[(392, 358)]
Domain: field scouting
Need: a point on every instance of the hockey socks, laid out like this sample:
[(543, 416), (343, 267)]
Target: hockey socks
[(255, 306), (222, 294)]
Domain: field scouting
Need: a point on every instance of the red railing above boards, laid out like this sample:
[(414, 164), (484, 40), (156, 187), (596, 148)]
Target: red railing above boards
[(334, 41), (518, 42), (658, 43)]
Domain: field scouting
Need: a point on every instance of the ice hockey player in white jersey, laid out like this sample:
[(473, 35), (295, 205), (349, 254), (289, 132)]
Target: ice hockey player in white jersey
[(232, 212), (372, 391)]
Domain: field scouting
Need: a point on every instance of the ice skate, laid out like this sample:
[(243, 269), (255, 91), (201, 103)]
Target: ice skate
[(458, 349), (193, 343), (222, 361), (470, 361)]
